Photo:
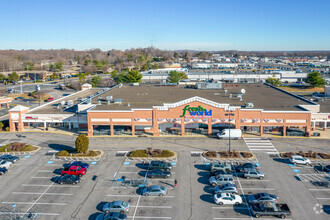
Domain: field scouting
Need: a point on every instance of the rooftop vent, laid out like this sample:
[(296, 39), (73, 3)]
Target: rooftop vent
[(249, 105)]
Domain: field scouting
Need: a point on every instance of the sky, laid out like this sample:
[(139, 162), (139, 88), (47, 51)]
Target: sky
[(260, 25)]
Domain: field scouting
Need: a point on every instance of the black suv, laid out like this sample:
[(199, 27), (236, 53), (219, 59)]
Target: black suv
[(160, 165)]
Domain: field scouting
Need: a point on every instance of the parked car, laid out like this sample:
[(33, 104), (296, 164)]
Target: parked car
[(74, 170), (76, 163), (296, 159), (116, 206), (270, 209), (221, 179), (159, 174), (227, 188), (326, 168), (225, 167), (217, 172), (10, 158), (68, 179), (5, 164), (3, 170), (253, 173), (112, 216), (241, 167), (50, 99), (155, 190), (261, 197), (227, 198), (160, 165)]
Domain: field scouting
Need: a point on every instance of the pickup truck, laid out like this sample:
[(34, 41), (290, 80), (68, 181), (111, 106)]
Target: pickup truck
[(74, 170), (270, 209)]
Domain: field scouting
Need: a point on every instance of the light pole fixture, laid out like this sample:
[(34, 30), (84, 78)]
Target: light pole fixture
[(229, 113)]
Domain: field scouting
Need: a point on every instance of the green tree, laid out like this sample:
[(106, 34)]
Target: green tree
[(82, 78), (315, 79), (120, 78), (273, 81), (29, 66), (96, 81), (1, 126), (133, 76), (155, 66), (14, 77), (59, 66), (82, 143), (98, 64), (54, 76), (2, 77), (114, 73), (144, 67), (175, 77)]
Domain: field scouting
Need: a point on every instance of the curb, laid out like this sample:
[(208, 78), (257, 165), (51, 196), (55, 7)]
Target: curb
[(23, 152), (98, 156), (239, 159), (132, 158), (311, 159)]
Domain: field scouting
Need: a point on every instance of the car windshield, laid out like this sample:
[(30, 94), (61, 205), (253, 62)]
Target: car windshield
[(232, 196), (124, 204), (162, 188), (78, 168), (257, 196)]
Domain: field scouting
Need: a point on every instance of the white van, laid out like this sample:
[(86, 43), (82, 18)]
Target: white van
[(234, 134)]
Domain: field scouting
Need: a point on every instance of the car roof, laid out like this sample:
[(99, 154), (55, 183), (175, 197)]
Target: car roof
[(155, 187), (74, 167), (117, 202), (296, 156)]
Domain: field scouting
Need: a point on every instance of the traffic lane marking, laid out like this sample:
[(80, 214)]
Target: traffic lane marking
[(136, 196), (156, 207), (40, 185), (27, 213)]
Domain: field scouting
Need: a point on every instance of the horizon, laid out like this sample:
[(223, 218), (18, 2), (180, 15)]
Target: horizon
[(297, 25)]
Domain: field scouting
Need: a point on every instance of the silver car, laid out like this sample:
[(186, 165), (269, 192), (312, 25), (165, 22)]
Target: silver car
[(155, 190), (227, 188), (116, 206), (253, 173)]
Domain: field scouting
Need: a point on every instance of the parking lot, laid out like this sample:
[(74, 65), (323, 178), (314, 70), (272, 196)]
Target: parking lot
[(30, 184)]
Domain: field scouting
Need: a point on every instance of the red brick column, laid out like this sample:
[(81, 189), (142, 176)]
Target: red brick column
[(209, 127), (182, 127)]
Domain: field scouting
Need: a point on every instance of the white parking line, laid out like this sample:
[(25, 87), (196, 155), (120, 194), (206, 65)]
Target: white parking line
[(137, 205), (249, 180), (41, 177), (156, 207), (319, 189), (229, 207), (150, 217), (138, 196), (243, 194), (256, 189), (39, 185), (45, 171), (323, 198), (44, 193), (38, 203), (26, 213), (232, 218)]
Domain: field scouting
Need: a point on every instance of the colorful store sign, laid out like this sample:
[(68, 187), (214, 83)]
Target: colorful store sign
[(196, 112)]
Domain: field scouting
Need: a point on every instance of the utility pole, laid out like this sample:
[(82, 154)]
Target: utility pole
[(229, 114)]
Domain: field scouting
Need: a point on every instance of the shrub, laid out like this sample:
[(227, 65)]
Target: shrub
[(82, 143), (324, 156), (92, 153), (28, 148), (166, 153), (288, 154), (234, 153), (1, 125), (3, 148), (16, 146), (7, 128), (246, 154), (139, 153), (63, 153), (211, 154)]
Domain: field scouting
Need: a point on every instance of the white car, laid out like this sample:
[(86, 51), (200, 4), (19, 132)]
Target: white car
[(227, 198), (296, 159), (5, 164)]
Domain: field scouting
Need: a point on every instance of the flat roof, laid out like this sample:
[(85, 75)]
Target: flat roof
[(75, 97), (145, 96)]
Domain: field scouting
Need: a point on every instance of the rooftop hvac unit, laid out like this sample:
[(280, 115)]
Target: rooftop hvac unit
[(118, 101), (63, 103), (249, 105), (109, 98)]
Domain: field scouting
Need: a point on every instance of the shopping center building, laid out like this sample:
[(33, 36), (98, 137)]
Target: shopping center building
[(180, 110)]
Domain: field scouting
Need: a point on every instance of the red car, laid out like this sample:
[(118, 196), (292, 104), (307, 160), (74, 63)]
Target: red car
[(74, 170), (50, 99)]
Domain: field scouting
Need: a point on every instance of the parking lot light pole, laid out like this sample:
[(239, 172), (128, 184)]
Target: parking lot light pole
[(229, 114)]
